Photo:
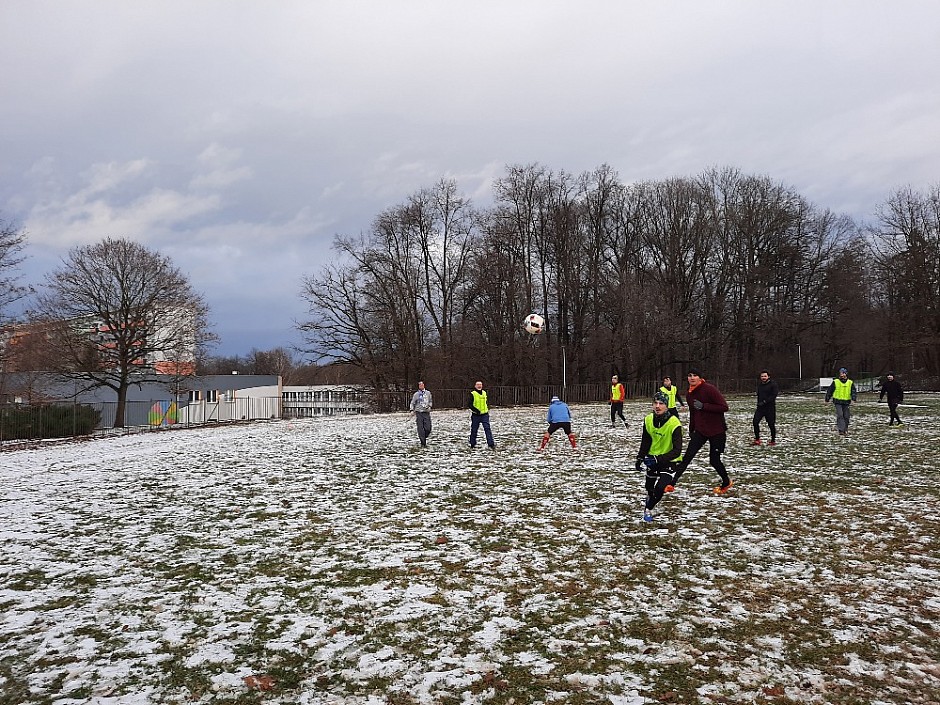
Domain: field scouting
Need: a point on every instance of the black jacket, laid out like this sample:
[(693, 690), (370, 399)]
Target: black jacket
[(891, 389), (767, 394)]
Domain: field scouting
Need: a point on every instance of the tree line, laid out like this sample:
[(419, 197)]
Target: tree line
[(727, 271)]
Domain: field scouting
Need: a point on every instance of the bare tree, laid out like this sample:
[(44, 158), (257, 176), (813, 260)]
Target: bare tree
[(726, 269), (396, 292), (277, 361), (117, 314), (12, 242), (907, 249), (445, 225), (625, 308), (847, 336), (342, 327), (222, 365)]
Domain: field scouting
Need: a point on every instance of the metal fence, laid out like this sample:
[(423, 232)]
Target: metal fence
[(24, 423), (535, 395), (383, 402), (21, 423)]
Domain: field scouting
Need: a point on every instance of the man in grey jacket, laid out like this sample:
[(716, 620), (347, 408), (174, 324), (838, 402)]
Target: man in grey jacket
[(421, 407)]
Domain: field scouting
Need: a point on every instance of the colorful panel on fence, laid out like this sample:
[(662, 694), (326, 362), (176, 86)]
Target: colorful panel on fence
[(163, 413)]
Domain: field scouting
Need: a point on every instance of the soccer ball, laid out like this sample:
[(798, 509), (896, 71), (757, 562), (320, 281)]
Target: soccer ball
[(534, 324)]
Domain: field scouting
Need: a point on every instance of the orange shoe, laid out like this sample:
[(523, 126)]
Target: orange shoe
[(724, 488), (669, 488)]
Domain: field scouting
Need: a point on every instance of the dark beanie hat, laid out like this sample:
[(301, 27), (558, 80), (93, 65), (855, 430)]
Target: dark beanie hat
[(695, 371)]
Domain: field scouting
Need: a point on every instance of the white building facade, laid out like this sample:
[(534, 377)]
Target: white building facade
[(322, 400)]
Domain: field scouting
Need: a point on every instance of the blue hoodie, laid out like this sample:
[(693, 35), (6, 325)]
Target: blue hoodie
[(558, 412)]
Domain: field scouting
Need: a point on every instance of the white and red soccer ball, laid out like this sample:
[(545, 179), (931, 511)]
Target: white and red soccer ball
[(534, 324)]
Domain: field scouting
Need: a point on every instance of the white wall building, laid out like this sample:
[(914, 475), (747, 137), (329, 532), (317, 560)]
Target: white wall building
[(322, 400), (229, 398)]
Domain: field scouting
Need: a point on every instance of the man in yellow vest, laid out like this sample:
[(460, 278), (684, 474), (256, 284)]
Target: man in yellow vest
[(842, 393), (672, 394), (617, 395), (660, 449), (479, 416)]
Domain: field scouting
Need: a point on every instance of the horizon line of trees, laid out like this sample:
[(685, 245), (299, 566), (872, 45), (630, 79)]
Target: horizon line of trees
[(727, 271), (730, 272)]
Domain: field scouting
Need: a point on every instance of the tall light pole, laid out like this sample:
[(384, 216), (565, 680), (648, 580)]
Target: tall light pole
[(564, 375), (799, 356)]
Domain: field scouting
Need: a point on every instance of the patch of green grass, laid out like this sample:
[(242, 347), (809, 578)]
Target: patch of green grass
[(814, 549), (27, 580)]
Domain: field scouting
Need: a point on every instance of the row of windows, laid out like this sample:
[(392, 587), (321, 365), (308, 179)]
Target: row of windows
[(301, 412), (210, 395), (323, 395)]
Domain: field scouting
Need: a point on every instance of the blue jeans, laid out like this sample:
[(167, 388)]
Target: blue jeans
[(477, 420)]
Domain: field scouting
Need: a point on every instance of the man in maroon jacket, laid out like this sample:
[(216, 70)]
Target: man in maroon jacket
[(707, 409)]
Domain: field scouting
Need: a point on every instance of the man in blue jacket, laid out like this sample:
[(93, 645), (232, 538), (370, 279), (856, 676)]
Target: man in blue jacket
[(559, 417)]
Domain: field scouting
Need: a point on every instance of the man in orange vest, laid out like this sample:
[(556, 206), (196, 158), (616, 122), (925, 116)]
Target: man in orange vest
[(617, 395)]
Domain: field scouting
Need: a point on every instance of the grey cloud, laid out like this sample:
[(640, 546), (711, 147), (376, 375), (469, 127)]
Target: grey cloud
[(240, 137)]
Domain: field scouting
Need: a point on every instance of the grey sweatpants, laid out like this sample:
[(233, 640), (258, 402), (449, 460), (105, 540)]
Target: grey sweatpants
[(423, 420), (842, 417)]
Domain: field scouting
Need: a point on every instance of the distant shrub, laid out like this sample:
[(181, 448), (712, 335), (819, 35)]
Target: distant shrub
[(47, 421)]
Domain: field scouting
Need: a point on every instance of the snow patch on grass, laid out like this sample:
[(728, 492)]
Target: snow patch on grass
[(334, 561)]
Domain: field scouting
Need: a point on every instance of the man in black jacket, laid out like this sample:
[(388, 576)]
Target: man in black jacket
[(892, 389), (766, 408)]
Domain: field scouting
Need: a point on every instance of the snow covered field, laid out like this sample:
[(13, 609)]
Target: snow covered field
[(334, 561)]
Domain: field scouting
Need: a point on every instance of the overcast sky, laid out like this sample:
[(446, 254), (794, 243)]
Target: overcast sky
[(239, 137)]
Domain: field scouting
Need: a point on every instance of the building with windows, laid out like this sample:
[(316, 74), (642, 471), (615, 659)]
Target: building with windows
[(233, 397), (162, 401), (167, 339), (322, 400)]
